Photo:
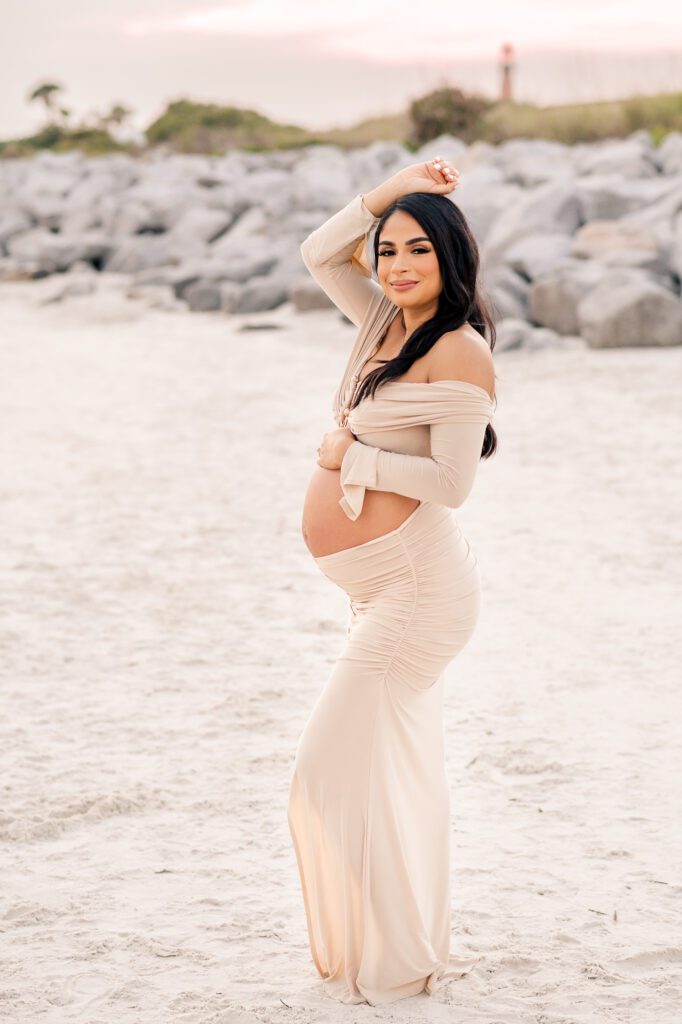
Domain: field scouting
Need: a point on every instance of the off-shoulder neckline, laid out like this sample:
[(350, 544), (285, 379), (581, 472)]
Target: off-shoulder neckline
[(431, 383), (395, 310)]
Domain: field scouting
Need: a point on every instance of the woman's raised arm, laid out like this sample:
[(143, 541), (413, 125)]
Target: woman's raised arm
[(334, 255)]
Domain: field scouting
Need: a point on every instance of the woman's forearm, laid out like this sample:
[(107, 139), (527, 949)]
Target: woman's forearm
[(381, 197)]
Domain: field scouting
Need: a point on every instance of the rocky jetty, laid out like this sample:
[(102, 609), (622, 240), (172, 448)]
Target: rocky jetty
[(575, 240)]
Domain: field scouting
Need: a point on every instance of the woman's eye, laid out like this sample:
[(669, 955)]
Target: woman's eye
[(420, 248)]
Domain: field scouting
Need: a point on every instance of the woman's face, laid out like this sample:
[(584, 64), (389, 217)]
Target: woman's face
[(406, 254)]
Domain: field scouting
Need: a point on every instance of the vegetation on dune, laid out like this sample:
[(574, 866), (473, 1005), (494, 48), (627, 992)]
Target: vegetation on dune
[(189, 127)]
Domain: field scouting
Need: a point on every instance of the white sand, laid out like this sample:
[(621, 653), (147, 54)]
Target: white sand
[(165, 633)]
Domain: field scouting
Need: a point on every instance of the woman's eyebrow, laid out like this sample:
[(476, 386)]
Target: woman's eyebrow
[(422, 238)]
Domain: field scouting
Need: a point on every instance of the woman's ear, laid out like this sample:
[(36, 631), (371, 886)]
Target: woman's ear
[(359, 259)]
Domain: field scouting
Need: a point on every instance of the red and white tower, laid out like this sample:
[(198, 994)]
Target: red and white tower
[(506, 68)]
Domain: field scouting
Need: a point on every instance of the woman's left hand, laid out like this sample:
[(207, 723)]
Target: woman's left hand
[(334, 445)]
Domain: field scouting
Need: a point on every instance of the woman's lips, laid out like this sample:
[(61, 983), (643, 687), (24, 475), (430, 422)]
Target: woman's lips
[(401, 285)]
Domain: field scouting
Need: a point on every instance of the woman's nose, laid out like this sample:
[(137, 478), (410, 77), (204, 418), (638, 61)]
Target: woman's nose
[(400, 262)]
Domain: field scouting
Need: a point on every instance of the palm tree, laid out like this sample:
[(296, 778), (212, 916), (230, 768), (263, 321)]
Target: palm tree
[(47, 94)]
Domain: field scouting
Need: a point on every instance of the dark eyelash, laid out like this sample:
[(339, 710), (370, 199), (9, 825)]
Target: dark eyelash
[(416, 249)]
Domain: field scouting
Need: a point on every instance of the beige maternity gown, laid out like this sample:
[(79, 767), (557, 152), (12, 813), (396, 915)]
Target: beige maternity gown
[(369, 805)]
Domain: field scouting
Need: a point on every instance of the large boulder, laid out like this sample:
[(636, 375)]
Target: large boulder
[(506, 292), (620, 243), (536, 254), (633, 157), (554, 296), (58, 251), (512, 333), (259, 295), (670, 153), (628, 309), (547, 209), (610, 196)]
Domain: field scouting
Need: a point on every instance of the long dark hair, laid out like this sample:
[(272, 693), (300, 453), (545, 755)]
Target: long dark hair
[(460, 299)]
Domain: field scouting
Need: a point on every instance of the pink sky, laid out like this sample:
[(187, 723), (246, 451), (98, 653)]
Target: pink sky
[(390, 32), (325, 63)]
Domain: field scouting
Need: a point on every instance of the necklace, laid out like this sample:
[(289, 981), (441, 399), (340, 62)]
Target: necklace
[(356, 378), (355, 384)]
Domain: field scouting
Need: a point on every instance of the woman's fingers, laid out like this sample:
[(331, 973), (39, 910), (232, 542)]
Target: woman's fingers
[(448, 172)]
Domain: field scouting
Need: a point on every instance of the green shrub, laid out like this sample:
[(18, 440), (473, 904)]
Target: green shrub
[(447, 111)]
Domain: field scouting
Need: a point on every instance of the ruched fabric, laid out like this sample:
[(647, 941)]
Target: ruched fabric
[(369, 805)]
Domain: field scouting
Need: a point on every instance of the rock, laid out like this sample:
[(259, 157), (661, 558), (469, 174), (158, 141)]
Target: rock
[(609, 196), (530, 162), (76, 284), (506, 292), (23, 270), (306, 295), (380, 159), (547, 209), (633, 157), (663, 210), (44, 247), (676, 247), (13, 221), (536, 254), (201, 225), (203, 296), (627, 310), (670, 153), (322, 172), (554, 296), (259, 295), (157, 296), (446, 145), (620, 243), (142, 252), (483, 198), (120, 216), (513, 333)]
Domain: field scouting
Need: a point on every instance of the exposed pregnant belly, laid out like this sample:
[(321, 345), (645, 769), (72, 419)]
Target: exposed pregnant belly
[(325, 526)]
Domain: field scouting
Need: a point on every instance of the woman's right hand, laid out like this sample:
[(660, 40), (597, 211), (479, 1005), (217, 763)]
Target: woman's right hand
[(437, 175)]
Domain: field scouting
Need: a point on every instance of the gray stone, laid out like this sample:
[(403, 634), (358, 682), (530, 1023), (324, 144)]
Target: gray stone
[(627, 310), (552, 208), (537, 254), (554, 297), (76, 284), (13, 221), (676, 246), (201, 225), (610, 196), (306, 295), (506, 293), (203, 296), (513, 333), (670, 153), (259, 295), (43, 246), (620, 243), (633, 157)]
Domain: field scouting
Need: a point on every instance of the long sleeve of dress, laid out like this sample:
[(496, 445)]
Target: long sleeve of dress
[(335, 255), (446, 477)]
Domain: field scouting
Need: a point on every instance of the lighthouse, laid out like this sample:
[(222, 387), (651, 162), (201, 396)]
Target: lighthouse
[(506, 67)]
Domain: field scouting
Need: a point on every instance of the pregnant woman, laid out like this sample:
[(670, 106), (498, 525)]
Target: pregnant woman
[(369, 805)]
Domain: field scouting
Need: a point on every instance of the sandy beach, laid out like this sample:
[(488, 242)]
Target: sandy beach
[(165, 633)]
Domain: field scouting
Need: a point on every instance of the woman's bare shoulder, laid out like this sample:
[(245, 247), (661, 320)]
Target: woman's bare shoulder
[(463, 354)]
